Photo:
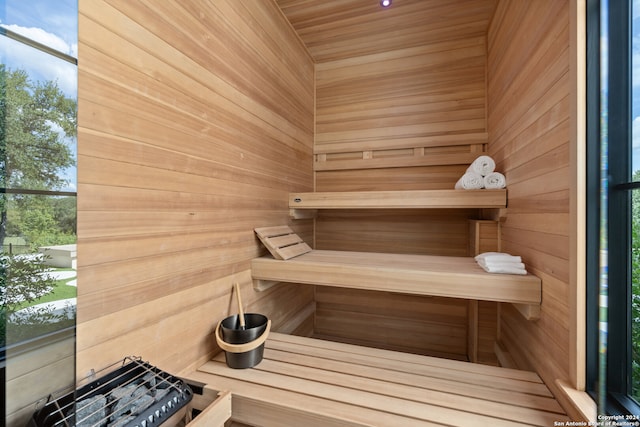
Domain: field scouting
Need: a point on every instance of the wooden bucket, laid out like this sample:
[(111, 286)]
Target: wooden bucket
[(243, 347)]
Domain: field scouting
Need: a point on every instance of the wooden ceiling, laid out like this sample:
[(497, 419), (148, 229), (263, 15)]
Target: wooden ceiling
[(338, 29)]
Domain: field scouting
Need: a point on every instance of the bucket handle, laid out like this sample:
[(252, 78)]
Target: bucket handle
[(242, 348)]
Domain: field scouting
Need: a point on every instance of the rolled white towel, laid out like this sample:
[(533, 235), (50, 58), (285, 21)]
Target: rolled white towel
[(495, 180), (498, 257), (470, 181), (483, 165)]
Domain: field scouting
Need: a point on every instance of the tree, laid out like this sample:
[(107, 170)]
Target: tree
[(635, 289), (64, 212), (42, 220), (24, 279), (37, 119)]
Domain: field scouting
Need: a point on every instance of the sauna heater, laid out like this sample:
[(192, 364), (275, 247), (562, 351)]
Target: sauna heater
[(135, 394)]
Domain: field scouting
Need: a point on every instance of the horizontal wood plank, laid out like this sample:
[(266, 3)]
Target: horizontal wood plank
[(410, 159), (399, 199), (394, 143)]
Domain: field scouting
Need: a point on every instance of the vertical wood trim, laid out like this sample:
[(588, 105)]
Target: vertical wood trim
[(474, 238), (315, 124), (484, 236), (577, 331), (498, 329), (323, 157), (472, 332)]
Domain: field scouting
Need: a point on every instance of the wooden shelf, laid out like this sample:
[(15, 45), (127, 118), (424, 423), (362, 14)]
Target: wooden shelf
[(454, 277), (415, 199)]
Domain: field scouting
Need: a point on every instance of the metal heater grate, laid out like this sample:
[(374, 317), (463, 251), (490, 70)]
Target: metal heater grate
[(135, 394)]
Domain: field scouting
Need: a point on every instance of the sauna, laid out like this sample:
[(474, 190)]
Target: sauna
[(349, 124)]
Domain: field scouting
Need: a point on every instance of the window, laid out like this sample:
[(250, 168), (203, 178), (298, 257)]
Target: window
[(613, 344), (38, 151)]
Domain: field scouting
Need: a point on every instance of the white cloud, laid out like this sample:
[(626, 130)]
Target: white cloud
[(39, 65), (635, 71), (604, 58), (635, 132), (635, 144), (635, 44), (41, 36)]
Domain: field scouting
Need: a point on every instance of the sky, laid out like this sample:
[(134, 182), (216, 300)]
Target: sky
[(53, 23)]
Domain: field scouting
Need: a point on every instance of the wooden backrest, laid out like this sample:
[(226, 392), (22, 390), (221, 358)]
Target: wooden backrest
[(282, 242)]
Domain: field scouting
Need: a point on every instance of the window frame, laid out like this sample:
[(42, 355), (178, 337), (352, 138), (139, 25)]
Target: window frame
[(64, 332), (25, 191), (609, 380), (592, 241)]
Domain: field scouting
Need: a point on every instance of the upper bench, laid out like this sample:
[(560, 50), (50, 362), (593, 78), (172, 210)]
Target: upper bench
[(301, 203)]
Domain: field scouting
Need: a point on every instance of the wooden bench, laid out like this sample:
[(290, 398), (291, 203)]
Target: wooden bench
[(457, 277), (310, 382), (305, 205)]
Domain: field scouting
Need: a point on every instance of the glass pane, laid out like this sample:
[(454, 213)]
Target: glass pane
[(635, 81), (40, 149), (635, 302), (635, 204), (38, 262), (38, 152), (604, 191), (52, 23)]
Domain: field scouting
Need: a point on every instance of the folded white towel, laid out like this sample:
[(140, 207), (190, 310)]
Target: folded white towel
[(483, 165), (498, 257), (504, 270), (497, 264), (470, 181), (495, 180), (501, 262)]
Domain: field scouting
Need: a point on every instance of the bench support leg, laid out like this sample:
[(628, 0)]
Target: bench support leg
[(260, 285), (472, 331)]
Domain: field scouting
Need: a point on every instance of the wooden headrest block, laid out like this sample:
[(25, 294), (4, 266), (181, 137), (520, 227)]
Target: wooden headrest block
[(282, 242)]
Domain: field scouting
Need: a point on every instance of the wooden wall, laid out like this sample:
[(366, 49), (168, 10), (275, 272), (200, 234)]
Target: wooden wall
[(529, 136), (409, 115), (195, 122), (27, 364), (197, 119)]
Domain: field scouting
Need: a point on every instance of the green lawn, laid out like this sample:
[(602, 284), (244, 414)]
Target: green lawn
[(60, 291), (14, 333)]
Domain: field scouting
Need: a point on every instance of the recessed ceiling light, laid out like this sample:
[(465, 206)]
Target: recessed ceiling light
[(385, 3)]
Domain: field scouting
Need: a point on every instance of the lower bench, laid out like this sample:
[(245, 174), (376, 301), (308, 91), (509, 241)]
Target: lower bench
[(445, 276), (310, 382), (292, 260)]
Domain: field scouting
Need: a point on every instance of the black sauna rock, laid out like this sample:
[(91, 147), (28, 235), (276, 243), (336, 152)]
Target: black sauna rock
[(122, 392), (122, 421), (131, 405), (150, 380), (91, 411)]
